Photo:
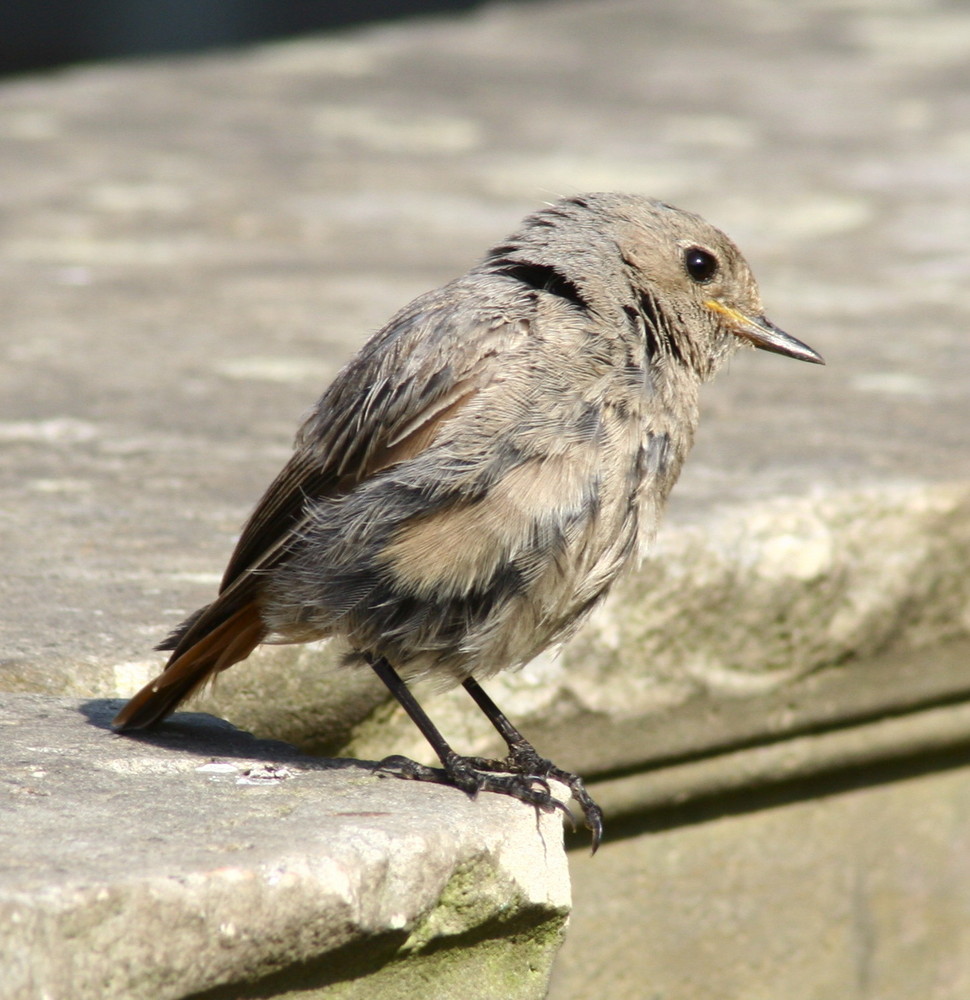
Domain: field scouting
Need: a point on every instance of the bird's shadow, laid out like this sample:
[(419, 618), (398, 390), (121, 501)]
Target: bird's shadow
[(206, 736)]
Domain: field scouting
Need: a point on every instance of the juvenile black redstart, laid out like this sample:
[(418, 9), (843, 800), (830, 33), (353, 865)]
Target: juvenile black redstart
[(478, 476)]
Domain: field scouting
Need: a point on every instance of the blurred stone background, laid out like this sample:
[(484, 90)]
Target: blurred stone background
[(192, 246)]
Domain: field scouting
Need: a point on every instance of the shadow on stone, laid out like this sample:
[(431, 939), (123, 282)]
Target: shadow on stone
[(783, 793), (384, 966), (345, 964), (207, 736)]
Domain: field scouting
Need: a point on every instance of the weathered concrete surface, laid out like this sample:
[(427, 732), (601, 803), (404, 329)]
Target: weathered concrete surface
[(202, 859)]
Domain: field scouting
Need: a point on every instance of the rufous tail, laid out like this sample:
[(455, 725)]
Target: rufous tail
[(188, 670)]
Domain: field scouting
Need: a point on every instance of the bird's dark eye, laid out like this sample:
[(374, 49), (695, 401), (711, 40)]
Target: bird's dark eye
[(701, 264)]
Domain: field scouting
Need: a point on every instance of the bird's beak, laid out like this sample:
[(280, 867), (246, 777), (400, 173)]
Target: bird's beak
[(764, 334)]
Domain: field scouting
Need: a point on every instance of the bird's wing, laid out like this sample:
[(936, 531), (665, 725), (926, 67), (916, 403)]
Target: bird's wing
[(384, 406)]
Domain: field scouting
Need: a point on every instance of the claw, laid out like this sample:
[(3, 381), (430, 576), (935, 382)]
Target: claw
[(523, 776)]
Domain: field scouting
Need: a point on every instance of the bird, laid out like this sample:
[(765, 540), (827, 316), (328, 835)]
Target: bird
[(477, 477)]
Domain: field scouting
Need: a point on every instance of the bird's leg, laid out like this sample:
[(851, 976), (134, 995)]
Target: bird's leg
[(465, 773), (523, 759)]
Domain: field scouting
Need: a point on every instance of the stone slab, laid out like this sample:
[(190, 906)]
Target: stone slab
[(202, 860)]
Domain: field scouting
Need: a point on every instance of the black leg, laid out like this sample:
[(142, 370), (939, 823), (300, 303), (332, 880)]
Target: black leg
[(523, 759), (466, 773), (409, 703)]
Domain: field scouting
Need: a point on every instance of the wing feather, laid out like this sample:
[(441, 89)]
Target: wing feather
[(361, 425)]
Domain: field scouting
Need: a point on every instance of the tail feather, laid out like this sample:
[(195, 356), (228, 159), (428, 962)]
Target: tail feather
[(188, 671), (175, 637)]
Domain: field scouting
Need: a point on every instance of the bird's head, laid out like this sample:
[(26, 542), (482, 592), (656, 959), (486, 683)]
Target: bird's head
[(694, 286)]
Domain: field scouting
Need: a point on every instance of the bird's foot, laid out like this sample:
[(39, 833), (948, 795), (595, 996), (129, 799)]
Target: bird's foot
[(524, 759), (523, 775), (476, 774)]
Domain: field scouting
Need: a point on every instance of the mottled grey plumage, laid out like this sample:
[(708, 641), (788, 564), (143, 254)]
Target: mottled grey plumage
[(476, 478)]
